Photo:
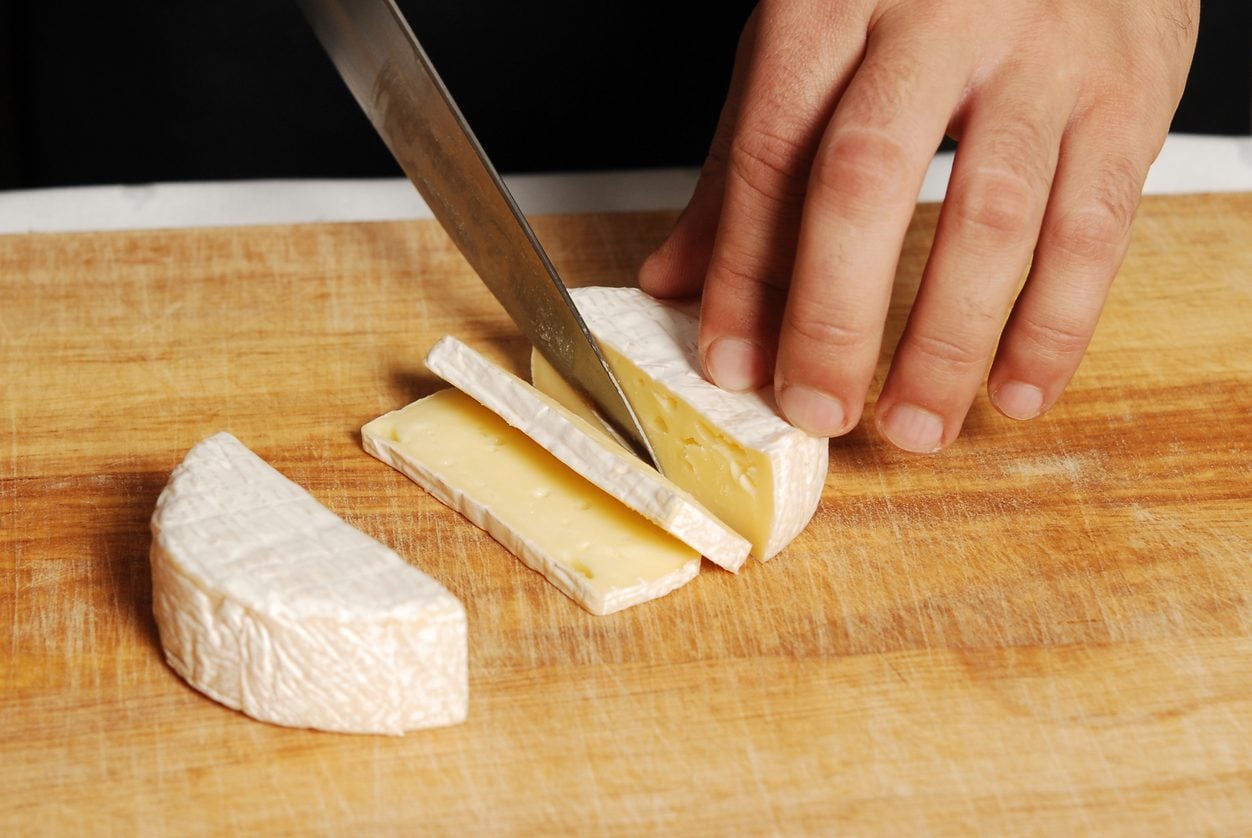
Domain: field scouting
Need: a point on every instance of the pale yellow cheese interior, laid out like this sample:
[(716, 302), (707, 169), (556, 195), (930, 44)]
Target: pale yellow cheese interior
[(732, 481), (551, 383), (532, 493)]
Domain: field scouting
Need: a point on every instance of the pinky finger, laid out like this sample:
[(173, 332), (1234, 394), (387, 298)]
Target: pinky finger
[(1084, 238)]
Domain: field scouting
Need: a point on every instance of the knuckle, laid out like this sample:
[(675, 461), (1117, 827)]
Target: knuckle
[(1091, 233), (1051, 341), (861, 168), (768, 162), (818, 331), (1096, 228), (996, 204), (1004, 194), (946, 353), (736, 279)]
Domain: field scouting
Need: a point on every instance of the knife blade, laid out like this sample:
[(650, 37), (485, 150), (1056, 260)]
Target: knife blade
[(395, 83)]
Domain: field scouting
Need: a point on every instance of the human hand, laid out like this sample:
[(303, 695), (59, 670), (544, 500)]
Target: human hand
[(834, 112)]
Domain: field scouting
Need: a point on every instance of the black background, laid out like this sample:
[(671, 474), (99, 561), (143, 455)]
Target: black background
[(131, 92)]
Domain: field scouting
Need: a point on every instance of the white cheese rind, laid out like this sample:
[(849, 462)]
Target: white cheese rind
[(587, 451), (271, 604), (661, 338), (439, 472)]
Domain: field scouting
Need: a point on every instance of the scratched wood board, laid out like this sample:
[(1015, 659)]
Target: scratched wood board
[(1046, 628)]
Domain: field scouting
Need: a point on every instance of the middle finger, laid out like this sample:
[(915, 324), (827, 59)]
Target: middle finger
[(861, 195)]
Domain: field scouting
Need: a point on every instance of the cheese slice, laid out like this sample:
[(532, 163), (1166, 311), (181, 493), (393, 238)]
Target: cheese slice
[(733, 452), (589, 451), (601, 554), (271, 604)]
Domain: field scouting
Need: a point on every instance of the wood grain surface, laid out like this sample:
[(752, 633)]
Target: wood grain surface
[(1046, 628)]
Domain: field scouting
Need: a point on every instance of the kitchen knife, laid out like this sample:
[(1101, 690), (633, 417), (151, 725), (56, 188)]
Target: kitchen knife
[(396, 85)]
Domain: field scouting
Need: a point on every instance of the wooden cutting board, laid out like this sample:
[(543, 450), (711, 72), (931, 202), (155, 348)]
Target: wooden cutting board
[(1046, 628)]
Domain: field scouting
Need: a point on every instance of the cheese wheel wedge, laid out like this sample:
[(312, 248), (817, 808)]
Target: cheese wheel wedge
[(601, 554), (732, 451), (271, 604), (588, 451)]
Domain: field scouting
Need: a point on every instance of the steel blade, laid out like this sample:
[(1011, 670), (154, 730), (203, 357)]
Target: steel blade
[(396, 85)]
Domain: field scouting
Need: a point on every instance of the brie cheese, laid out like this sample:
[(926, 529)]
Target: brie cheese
[(601, 554), (271, 604), (733, 452), (588, 451)]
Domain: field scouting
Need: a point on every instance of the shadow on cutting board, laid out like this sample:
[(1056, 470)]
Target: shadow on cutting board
[(413, 384), (404, 386), (127, 541)]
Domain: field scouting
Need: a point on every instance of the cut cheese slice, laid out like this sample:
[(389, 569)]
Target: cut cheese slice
[(271, 604), (732, 451), (601, 554), (588, 451)]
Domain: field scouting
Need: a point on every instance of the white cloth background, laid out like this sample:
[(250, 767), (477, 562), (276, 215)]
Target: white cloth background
[(1186, 164)]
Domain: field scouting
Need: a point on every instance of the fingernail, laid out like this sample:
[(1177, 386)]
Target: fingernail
[(1018, 400), (913, 429), (812, 411), (736, 364)]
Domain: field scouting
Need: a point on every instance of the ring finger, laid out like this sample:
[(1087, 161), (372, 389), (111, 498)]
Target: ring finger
[(987, 230)]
